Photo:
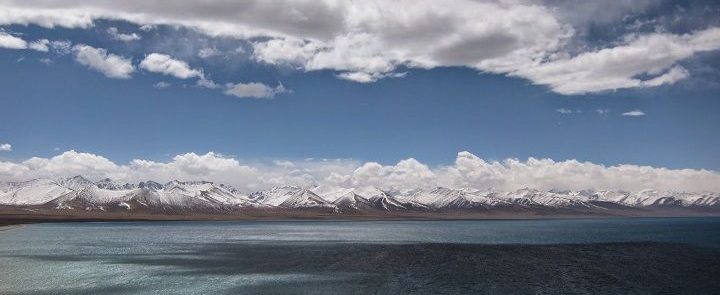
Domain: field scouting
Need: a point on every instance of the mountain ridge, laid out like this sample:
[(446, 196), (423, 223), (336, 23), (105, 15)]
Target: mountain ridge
[(79, 193)]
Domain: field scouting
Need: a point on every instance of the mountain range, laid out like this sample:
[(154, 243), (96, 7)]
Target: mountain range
[(186, 197)]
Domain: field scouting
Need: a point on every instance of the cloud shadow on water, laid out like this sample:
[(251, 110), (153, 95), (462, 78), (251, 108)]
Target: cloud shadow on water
[(331, 268)]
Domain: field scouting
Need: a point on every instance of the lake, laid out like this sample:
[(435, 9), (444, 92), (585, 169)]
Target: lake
[(546, 256)]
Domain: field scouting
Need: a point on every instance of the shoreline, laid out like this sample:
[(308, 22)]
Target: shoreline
[(17, 219)]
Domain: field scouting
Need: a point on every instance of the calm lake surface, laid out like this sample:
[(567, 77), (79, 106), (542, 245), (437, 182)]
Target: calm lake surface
[(570, 256)]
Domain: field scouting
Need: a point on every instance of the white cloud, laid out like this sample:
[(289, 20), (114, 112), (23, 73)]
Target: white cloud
[(603, 111), (5, 147), (193, 166), (165, 64), (619, 67), (254, 90), (634, 113), (161, 85), (208, 52), (40, 45), (565, 111), (368, 40), (11, 42), (468, 170), (115, 34), (147, 28), (379, 37), (98, 59), (673, 75), (72, 163), (61, 47), (407, 173), (207, 83)]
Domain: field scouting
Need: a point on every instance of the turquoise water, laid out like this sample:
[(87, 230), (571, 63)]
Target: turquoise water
[(317, 256)]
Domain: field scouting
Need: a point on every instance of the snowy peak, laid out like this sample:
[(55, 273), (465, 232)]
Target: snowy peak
[(352, 201), (150, 185), (385, 202), (33, 192), (193, 194), (109, 184), (75, 183), (289, 197), (106, 194), (466, 198)]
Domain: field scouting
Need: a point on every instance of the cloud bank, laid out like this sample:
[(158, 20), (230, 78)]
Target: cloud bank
[(468, 170), (365, 41)]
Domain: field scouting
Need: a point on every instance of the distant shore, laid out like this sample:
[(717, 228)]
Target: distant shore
[(18, 216)]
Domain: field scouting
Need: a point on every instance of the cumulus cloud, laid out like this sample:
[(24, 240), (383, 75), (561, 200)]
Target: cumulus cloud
[(407, 173), (5, 147), (73, 163), (634, 113), (192, 166), (369, 40), (42, 45), (115, 34), (253, 90), (98, 59), (11, 42), (468, 170), (166, 65)]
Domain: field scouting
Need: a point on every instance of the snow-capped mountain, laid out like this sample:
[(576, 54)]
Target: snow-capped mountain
[(80, 193), (289, 197), (386, 202), (33, 192), (108, 195), (455, 199), (351, 201)]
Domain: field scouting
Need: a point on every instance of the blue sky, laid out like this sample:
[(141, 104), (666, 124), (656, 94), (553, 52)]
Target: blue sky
[(50, 102)]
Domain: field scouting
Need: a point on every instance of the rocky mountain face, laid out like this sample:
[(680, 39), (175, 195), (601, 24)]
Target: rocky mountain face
[(79, 193)]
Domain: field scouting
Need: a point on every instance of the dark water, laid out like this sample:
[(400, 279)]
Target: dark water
[(602, 256)]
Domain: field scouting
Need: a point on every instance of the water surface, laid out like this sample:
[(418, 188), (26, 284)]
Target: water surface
[(573, 256)]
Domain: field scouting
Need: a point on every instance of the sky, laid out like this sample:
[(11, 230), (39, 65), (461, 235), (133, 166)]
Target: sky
[(334, 86)]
